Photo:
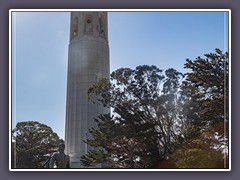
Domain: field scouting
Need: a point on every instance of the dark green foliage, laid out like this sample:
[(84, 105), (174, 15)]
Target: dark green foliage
[(206, 90), (32, 144), (207, 150), (94, 157), (123, 144), (205, 113), (143, 126)]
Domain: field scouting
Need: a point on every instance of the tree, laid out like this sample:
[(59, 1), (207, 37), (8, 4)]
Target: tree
[(32, 144), (205, 113), (143, 127), (207, 150), (125, 145), (206, 91)]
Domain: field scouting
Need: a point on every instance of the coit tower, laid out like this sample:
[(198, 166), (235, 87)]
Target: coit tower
[(88, 62)]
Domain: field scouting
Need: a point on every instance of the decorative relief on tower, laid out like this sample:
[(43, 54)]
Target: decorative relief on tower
[(88, 26)]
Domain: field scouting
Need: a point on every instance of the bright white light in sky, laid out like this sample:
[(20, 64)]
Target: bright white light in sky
[(40, 53)]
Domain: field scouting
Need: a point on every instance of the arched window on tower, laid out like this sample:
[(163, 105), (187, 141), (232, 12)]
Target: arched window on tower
[(74, 31), (101, 25), (88, 26)]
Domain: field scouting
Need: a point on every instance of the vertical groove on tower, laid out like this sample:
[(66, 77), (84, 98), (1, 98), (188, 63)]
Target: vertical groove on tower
[(88, 63)]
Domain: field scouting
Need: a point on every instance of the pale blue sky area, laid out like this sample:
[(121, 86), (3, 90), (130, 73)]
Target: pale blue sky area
[(40, 53)]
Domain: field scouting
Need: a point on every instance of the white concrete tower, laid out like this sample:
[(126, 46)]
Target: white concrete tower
[(88, 61)]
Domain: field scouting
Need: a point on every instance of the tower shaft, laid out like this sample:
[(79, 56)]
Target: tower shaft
[(88, 62)]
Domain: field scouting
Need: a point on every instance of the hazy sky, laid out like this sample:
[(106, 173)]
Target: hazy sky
[(40, 53)]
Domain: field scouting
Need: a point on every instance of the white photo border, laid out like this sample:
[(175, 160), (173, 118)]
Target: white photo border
[(11, 91)]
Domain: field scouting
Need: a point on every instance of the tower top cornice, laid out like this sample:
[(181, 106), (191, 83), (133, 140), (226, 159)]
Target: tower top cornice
[(91, 24)]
